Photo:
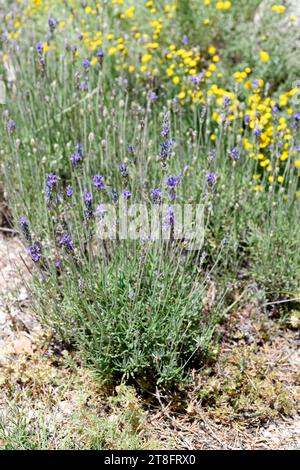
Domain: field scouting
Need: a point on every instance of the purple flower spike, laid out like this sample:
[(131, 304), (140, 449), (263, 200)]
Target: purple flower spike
[(100, 211), (52, 22), (66, 242), (86, 64), (98, 181), (35, 252), (173, 181), (100, 56), (124, 170), (40, 47), (234, 154), (25, 227), (211, 179), (69, 191), (83, 86), (126, 194), (11, 126), (156, 196)]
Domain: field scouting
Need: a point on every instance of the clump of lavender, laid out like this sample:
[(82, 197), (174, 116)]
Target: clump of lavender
[(35, 252), (51, 186), (156, 196), (77, 157), (172, 183), (98, 181), (24, 224), (66, 242)]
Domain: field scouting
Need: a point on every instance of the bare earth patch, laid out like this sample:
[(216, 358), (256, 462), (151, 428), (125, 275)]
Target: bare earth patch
[(249, 399)]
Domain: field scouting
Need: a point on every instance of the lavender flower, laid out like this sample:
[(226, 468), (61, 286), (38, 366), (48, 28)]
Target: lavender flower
[(124, 170), (211, 179), (165, 130), (234, 154), (77, 157), (212, 155), (86, 64), (100, 211), (185, 40), (66, 242), (126, 194), (156, 196), (98, 181), (40, 47), (114, 195), (130, 148), (25, 227), (69, 191), (166, 149), (172, 182), (257, 132), (196, 79), (58, 264), (88, 204), (11, 126), (227, 101), (52, 22), (247, 120), (153, 96), (83, 86), (296, 119), (35, 252), (51, 184), (100, 56), (169, 219)]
